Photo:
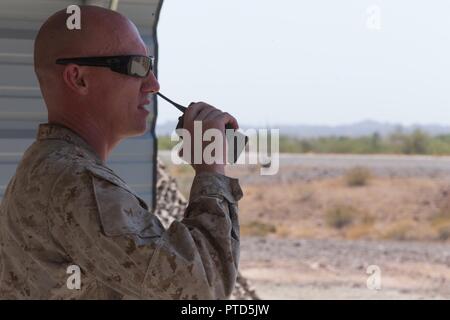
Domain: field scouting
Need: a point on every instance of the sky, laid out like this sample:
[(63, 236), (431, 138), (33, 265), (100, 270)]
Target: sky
[(308, 62)]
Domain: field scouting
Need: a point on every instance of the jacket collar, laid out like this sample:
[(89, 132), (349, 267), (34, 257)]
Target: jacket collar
[(49, 131)]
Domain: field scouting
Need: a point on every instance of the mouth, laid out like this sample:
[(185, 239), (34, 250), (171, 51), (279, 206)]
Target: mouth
[(142, 105)]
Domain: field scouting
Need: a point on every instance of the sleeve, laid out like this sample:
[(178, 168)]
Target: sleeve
[(109, 233)]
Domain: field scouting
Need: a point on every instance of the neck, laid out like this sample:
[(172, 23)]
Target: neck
[(96, 136)]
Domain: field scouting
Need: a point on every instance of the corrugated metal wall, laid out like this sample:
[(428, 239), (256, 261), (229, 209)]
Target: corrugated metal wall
[(22, 107)]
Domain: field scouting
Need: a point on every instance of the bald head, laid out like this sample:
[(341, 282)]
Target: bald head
[(102, 32), (102, 105)]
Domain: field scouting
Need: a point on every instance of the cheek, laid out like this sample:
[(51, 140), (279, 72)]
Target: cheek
[(127, 91), (117, 92), (123, 96)]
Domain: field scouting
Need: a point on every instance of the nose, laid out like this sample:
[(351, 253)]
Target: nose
[(150, 84)]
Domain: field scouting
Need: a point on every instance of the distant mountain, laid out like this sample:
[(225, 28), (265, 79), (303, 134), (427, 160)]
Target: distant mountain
[(363, 128)]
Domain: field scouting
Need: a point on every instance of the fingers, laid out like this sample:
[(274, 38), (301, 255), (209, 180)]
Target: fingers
[(226, 118), (204, 112), (207, 113), (211, 118), (212, 115), (194, 110)]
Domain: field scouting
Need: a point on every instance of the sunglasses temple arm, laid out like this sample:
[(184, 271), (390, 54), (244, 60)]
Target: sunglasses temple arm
[(178, 106)]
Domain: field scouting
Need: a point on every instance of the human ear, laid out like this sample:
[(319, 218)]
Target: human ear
[(75, 79)]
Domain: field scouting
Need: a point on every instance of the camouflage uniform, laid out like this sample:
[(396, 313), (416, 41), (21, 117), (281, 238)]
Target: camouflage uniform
[(65, 207), (170, 206)]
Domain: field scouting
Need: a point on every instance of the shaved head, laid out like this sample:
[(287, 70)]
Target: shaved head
[(101, 33), (94, 101)]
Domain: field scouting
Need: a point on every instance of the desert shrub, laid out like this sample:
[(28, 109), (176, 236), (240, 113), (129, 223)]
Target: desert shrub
[(340, 216), (443, 232), (416, 143), (400, 231), (257, 228), (440, 222), (357, 176)]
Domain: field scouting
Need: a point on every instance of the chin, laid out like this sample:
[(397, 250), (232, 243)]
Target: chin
[(137, 125), (141, 128), (137, 131)]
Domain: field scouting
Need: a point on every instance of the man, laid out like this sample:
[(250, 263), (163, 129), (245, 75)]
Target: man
[(64, 207)]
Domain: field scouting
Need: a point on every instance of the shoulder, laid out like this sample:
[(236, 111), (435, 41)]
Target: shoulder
[(48, 159), (96, 189), (91, 178)]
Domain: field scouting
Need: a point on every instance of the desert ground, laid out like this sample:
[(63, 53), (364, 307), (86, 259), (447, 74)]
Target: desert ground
[(312, 230)]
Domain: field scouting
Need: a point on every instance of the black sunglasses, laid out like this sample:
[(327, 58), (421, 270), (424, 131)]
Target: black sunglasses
[(132, 65)]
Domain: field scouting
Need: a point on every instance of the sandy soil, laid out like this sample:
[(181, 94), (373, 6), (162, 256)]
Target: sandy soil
[(293, 246), (336, 269)]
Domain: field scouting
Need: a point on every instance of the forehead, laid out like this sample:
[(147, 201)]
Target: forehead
[(136, 46), (129, 41)]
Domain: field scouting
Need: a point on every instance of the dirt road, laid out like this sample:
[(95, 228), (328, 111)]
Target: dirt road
[(336, 269), (308, 167)]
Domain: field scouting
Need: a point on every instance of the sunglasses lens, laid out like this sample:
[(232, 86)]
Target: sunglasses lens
[(140, 66)]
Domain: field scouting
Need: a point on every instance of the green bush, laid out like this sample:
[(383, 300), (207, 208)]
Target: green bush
[(164, 143), (416, 142)]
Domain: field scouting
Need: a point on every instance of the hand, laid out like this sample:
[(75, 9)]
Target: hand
[(210, 117)]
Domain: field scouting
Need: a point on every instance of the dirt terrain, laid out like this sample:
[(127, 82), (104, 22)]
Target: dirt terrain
[(336, 269), (308, 232)]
